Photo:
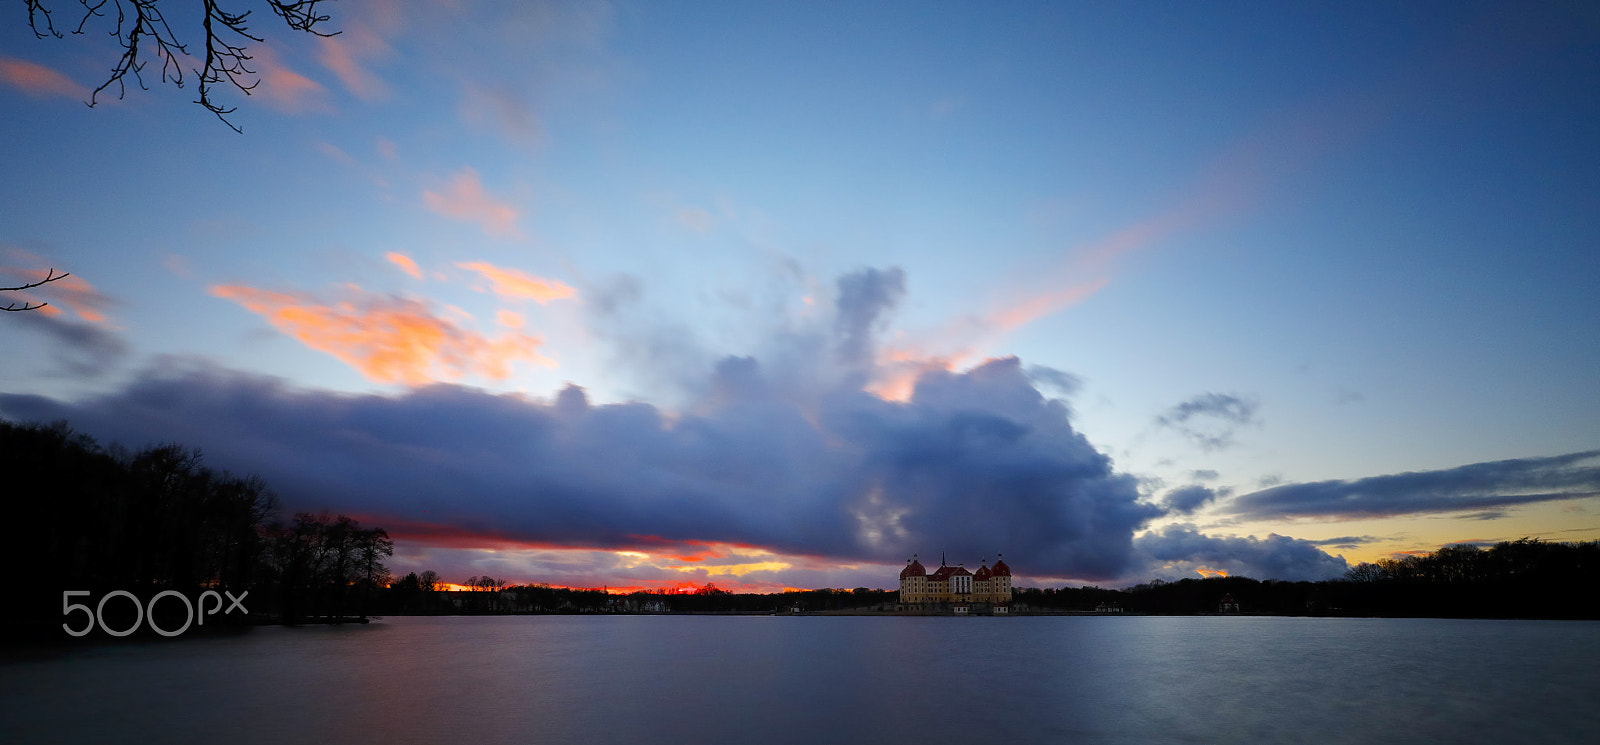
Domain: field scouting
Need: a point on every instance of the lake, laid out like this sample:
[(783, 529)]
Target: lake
[(728, 679)]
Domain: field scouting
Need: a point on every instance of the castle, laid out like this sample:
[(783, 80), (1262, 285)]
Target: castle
[(955, 588)]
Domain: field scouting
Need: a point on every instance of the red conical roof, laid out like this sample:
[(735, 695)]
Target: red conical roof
[(1000, 569), (914, 569), (982, 573)]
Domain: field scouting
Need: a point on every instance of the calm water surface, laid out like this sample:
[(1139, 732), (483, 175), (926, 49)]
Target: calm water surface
[(686, 679)]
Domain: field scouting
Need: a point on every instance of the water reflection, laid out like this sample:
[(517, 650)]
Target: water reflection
[(670, 679)]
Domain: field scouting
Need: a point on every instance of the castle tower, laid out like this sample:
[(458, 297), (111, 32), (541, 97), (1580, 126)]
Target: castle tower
[(913, 582), (1000, 584)]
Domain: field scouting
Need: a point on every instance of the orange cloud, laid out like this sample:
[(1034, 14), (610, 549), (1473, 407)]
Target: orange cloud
[(900, 369), (510, 319), (512, 283), (388, 339), (39, 81), (405, 263), (736, 570), (466, 199)]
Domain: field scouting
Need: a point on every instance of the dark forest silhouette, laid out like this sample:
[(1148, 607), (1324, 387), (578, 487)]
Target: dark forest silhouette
[(1527, 578), (487, 595), (82, 517)]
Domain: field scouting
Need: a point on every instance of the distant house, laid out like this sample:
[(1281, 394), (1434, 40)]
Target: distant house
[(1228, 604), (955, 589)]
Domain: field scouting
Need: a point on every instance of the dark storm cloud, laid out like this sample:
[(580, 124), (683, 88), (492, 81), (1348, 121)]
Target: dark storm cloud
[(1273, 557), (976, 463), (1486, 488), (80, 348), (1347, 541), (1210, 419), (1185, 500)]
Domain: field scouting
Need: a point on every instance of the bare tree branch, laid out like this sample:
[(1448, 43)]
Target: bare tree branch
[(301, 15), (147, 25), (35, 10), (141, 28), (49, 276)]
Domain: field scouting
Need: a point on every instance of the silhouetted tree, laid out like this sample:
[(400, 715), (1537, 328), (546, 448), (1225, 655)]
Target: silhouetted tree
[(1364, 572), (83, 517), (321, 561), (142, 29)]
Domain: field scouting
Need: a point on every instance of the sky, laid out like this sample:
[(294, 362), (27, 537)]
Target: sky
[(644, 295)]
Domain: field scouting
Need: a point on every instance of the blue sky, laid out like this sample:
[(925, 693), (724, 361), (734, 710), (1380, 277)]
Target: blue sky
[(1247, 247)]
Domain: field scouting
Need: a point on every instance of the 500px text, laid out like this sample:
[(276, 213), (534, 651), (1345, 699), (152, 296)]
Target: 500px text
[(97, 614)]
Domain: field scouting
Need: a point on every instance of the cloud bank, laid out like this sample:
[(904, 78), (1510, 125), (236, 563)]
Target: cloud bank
[(1481, 487), (1182, 550), (1185, 500), (791, 457), (976, 463)]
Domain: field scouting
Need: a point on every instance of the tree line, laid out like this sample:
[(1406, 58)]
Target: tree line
[(84, 517), (1526, 578), (419, 594)]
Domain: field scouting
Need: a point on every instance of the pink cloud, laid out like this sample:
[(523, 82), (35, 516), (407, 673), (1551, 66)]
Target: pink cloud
[(696, 219), (283, 88), (388, 339), (333, 151), (39, 81), (503, 110), (70, 293), (346, 54), (466, 199), (1038, 306), (179, 265)]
